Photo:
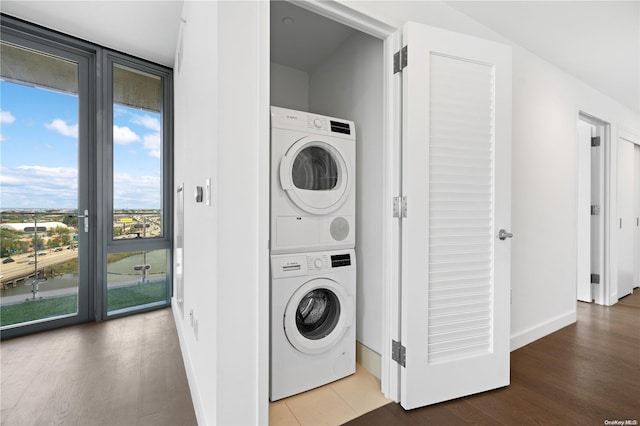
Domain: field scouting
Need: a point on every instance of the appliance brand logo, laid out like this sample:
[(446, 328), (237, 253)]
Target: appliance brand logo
[(293, 117)]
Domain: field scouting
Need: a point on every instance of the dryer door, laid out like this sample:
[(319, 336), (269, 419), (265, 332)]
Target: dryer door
[(318, 315), (315, 175)]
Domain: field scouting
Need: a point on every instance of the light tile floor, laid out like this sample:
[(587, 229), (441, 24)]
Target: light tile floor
[(332, 404)]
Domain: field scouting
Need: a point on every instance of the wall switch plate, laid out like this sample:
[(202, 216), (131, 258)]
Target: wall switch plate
[(207, 192)]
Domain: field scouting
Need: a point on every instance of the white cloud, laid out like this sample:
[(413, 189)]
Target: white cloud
[(60, 126), (6, 117), (39, 186), (57, 187), (124, 135), (2, 138), (147, 121), (152, 144), (131, 191)]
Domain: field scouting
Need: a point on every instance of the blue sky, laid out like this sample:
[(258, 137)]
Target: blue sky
[(39, 151)]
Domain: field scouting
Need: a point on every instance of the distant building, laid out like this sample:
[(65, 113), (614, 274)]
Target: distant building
[(20, 227)]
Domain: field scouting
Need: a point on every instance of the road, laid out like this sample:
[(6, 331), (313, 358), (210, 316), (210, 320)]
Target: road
[(21, 268)]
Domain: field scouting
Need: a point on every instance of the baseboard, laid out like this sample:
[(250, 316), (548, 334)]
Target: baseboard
[(369, 359), (191, 378), (534, 333)]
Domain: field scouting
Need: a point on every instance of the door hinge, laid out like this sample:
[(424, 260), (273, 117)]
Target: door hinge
[(595, 278), (400, 60), (595, 141), (398, 353), (400, 207), (595, 210)]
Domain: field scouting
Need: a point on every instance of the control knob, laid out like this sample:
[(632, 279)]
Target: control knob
[(318, 263), (317, 123)]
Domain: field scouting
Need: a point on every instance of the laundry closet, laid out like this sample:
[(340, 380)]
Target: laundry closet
[(323, 67)]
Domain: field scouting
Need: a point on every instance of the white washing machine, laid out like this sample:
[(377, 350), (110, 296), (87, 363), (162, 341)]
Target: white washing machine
[(313, 332), (313, 173)]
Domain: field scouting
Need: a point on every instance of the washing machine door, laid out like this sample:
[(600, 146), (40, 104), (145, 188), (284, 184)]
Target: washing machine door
[(315, 175), (318, 315)]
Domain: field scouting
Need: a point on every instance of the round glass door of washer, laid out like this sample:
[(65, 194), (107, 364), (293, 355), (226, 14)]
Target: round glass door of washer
[(318, 315)]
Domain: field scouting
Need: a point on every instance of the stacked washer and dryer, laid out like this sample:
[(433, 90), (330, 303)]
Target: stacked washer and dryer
[(313, 265)]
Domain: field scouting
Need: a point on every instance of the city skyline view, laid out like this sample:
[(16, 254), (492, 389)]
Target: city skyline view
[(39, 151)]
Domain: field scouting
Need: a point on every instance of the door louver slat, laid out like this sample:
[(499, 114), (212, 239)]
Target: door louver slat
[(460, 209)]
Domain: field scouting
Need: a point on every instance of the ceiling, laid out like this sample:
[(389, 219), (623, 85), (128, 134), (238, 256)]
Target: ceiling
[(146, 29), (294, 29), (596, 41)]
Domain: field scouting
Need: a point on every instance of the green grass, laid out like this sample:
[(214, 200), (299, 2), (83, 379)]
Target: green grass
[(117, 298), (38, 309), (134, 295)]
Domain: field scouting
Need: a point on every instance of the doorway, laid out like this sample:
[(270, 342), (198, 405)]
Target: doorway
[(475, 197), (627, 229), (45, 192), (593, 138), (321, 66)]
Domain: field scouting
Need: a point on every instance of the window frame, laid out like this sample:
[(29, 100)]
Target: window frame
[(105, 200)]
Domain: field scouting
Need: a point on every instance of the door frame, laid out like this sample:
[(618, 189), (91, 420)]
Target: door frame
[(43, 40), (601, 295), (631, 137), (387, 31), (608, 292)]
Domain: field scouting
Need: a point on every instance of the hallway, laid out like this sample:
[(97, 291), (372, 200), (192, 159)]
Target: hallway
[(584, 374)]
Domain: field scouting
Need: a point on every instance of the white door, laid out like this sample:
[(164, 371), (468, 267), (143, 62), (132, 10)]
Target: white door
[(456, 176), (626, 218)]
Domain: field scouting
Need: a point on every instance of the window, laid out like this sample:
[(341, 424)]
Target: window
[(86, 197), (138, 169)]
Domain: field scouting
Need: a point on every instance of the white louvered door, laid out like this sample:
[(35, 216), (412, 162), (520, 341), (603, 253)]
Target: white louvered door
[(456, 176)]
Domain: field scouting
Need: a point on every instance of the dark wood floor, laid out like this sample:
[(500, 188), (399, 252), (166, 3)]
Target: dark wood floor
[(584, 374), (127, 371)]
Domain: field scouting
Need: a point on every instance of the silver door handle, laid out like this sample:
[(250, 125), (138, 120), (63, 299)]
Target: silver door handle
[(503, 235), (85, 216)]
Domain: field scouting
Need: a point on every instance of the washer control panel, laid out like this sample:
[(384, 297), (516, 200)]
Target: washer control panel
[(295, 265)]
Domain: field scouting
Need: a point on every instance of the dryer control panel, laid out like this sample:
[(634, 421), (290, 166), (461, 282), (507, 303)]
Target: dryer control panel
[(282, 118), (295, 265)]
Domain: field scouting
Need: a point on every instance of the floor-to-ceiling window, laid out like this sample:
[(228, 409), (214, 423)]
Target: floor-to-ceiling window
[(85, 144), (138, 207)]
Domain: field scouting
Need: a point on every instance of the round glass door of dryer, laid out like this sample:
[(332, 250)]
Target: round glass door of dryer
[(315, 175), (317, 316)]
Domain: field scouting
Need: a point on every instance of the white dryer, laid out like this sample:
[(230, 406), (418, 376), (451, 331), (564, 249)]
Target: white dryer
[(313, 337), (313, 173)]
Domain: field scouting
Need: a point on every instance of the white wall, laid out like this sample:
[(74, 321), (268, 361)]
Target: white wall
[(221, 111), (196, 89), (289, 87), (350, 85)]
